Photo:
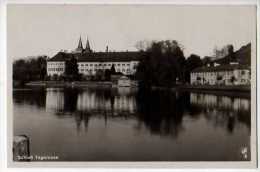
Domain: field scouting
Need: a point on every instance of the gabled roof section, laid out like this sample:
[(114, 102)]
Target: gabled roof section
[(61, 56)]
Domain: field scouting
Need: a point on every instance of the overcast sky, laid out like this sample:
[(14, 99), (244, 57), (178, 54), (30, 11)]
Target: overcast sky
[(46, 29)]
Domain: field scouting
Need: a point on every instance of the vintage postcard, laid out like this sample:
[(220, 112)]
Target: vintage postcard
[(133, 85)]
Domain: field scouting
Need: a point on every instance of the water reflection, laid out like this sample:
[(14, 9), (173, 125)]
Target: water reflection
[(223, 111), (159, 112), (221, 102), (111, 101), (36, 97), (133, 124)]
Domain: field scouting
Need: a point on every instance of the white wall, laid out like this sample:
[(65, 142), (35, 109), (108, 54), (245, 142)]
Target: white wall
[(242, 77), (90, 68), (55, 68)]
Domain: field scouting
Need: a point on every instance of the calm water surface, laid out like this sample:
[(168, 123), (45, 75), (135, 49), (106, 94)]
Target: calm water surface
[(132, 125)]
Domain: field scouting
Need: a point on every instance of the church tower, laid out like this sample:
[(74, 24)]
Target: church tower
[(88, 49), (79, 49)]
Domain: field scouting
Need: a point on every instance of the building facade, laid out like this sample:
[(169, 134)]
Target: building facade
[(90, 68), (228, 74), (55, 68), (89, 62), (233, 69)]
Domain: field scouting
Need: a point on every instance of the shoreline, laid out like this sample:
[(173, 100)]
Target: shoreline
[(109, 84), (69, 84), (233, 88)]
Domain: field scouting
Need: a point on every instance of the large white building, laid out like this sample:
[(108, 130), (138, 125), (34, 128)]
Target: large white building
[(227, 74), (90, 62), (124, 62)]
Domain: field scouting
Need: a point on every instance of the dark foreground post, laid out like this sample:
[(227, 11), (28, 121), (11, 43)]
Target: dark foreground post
[(21, 148)]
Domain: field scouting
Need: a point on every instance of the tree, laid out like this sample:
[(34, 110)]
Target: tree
[(192, 62), (233, 79), (219, 79), (113, 70), (162, 63), (99, 75), (224, 51), (42, 61), (30, 69), (206, 61), (71, 69)]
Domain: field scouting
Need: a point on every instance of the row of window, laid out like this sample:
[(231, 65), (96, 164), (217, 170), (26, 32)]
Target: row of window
[(56, 64), (55, 69), (214, 73), (242, 72), (90, 70), (86, 64)]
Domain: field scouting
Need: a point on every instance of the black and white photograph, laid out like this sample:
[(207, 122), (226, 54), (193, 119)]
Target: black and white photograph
[(132, 83)]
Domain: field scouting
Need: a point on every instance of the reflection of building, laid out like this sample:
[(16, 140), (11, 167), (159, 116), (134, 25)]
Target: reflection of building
[(54, 100), (90, 62), (225, 102), (89, 101)]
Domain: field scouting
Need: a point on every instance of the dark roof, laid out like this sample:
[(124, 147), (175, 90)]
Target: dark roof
[(61, 56), (227, 67), (100, 56), (109, 56)]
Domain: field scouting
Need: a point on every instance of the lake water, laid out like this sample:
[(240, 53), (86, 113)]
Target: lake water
[(123, 124)]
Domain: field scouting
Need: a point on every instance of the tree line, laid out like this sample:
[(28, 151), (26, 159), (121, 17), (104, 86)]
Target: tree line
[(31, 69), (35, 69)]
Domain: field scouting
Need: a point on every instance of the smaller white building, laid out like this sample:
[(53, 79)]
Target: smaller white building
[(228, 74), (55, 67)]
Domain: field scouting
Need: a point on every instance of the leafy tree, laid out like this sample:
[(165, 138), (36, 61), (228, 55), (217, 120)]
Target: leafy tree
[(206, 60), (192, 62), (233, 79), (71, 69), (99, 75), (113, 70), (31, 69), (162, 63), (224, 51)]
